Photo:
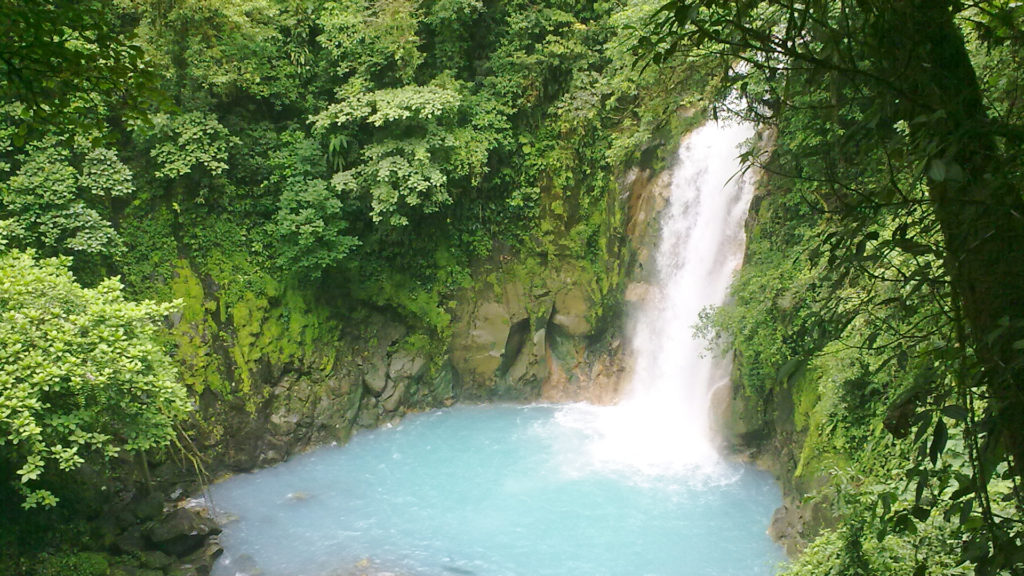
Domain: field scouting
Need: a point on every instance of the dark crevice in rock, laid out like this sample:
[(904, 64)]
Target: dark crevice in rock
[(517, 336)]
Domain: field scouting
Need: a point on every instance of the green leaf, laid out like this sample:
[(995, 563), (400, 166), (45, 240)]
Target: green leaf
[(965, 513), (903, 522), (939, 438), (937, 170), (925, 419), (958, 413), (921, 512), (975, 548)]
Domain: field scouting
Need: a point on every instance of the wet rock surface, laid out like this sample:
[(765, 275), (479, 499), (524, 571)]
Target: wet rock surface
[(181, 532), (153, 536)]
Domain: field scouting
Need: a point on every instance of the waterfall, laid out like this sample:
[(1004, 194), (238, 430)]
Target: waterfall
[(662, 423), (635, 488)]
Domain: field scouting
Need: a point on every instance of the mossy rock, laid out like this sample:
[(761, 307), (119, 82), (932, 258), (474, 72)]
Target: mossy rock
[(156, 560)]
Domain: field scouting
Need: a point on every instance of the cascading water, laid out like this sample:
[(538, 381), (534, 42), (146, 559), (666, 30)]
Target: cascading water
[(662, 425), (630, 489)]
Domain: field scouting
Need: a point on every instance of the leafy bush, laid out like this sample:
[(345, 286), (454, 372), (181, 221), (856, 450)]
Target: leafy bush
[(79, 564), (81, 372)]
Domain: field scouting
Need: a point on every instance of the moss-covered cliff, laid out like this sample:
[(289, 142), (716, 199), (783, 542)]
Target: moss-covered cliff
[(282, 368), (845, 387)]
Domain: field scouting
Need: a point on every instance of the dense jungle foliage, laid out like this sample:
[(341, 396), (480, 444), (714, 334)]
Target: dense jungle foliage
[(882, 290), (306, 162), (314, 159)]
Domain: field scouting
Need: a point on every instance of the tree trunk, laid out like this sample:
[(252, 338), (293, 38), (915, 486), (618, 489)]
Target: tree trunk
[(978, 208)]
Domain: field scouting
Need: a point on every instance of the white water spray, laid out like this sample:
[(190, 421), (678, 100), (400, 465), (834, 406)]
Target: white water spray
[(662, 424)]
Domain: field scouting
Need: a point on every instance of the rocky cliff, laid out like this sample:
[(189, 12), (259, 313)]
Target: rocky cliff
[(279, 373)]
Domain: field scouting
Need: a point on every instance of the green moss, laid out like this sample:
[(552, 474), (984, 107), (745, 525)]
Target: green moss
[(815, 408), (423, 305), (239, 316), (200, 366), (221, 248), (186, 287), (805, 400), (78, 564), (289, 329)]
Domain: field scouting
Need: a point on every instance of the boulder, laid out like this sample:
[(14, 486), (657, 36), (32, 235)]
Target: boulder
[(203, 559), (392, 398), (376, 376), (155, 559), (130, 541), (404, 365), (181, 532)]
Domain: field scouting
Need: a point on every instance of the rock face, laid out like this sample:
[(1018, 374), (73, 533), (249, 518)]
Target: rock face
[(550, 334), (597, 377), (498, 341), (530, 338), (180, 533), (775, 443), (277, 373)]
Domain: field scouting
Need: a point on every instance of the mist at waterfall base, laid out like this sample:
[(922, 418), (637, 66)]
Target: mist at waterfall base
[(548, 490)]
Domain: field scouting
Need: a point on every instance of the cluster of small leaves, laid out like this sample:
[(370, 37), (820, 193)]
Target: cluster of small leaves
[(424, 148), (54, 206), (372, 40), (311, 229), (60, 52), (258, 47), (82, 374), (186, 142)]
